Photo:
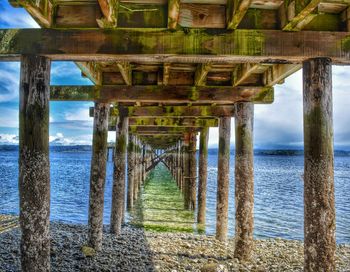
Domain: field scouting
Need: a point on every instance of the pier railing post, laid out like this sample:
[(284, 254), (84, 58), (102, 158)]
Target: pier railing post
[(202, 174), (244, 180), (319, 207), (34, 165), (98, 174), (118, 194), (223, 178), (131, 165)]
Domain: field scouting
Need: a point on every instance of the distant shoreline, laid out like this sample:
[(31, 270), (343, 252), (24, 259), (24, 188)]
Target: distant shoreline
[(211, 151)]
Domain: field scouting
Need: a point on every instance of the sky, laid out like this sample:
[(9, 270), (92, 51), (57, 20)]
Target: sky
[(278, 125)]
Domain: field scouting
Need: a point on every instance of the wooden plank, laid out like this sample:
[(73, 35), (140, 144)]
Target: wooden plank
[(183, 111), (299, 14), (163, 130), (166, 73), (125, 70), (162, 94), (202, 16), (174, 122), (277, 73), (235, 11), (91, 70), (243, 72), (40, 10), (74, 16), (201, 73), (200, 46), (173, 13)]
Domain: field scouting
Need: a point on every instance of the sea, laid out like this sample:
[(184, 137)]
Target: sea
[(278, 206)]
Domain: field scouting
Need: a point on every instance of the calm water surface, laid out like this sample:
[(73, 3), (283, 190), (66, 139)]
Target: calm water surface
[(278, 192)]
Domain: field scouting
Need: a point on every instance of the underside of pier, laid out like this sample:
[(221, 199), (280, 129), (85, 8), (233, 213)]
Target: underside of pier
[(164, 72)]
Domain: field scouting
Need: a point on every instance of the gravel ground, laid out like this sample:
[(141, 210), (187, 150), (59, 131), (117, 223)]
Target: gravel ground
[(136, 250)]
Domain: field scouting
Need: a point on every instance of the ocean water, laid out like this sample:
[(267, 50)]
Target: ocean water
[(278, 206)]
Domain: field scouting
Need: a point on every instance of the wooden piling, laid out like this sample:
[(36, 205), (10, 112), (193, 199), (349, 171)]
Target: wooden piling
[(202, 175), (34, 165), (319, 208), (98, 174), (192, 181), (131, 165), (118, 197), (223, 178), (244, 180)]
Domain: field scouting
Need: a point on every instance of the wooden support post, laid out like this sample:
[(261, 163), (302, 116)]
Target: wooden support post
[(192, 184), (223, 178), (186, 176), (98, 174), (202, 175), (34, 165), (131, 165), (244, 180), (319, 208), (118, 198)]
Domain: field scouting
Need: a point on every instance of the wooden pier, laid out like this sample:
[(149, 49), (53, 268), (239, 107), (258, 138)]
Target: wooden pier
[(164, 72)]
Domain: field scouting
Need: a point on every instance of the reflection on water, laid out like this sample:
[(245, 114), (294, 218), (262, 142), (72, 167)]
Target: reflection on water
[(278, 192)]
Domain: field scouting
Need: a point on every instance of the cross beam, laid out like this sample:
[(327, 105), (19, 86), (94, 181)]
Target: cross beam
[(163, 45), (163, 94)]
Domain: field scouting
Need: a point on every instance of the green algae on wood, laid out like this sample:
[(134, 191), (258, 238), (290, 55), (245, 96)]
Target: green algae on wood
[(160, 207)]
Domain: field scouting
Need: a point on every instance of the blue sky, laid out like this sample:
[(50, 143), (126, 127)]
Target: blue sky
[(277, 125)]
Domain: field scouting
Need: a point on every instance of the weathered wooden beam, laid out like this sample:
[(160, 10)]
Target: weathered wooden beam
[(270, 46), (223, 178), (34, 163), (244, 181), (160, 130), (163, 94), (118, 195), (142, 112), (243, 72), (110, 10), (202, 175), (166, 73), (98, 174), (183, 111), (192, 184), (319, 207), (91, 70), (173, 13), (277, 73), (40, 10), (201, 74), (125, 70), (235, 11), (299, 14), (174, 122)]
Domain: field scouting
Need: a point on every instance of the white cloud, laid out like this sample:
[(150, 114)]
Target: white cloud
[(80, 114), (60, 139), (8, 139), (21, 19), (9, 82)]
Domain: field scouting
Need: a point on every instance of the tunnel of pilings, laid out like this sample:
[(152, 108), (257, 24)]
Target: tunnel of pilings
[(161, 79)]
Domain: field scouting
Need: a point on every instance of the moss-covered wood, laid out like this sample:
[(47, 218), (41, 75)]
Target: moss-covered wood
[(202, 175), (223, 178), (194, 45), (244, 181), (118, 195), (131, 171), (98, 175), (34, 165), (319, 207), (163, 94)]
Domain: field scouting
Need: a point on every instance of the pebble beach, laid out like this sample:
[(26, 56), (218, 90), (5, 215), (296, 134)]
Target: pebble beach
[(139, 250)]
